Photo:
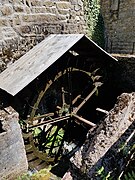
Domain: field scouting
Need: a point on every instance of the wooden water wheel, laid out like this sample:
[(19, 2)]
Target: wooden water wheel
[(56, 125), (52, 88)]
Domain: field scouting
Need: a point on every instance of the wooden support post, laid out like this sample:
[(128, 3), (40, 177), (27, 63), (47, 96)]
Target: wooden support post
[(85, 100), (97, 84)]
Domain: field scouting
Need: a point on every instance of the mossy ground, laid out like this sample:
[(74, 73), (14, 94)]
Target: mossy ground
[(43, 174)]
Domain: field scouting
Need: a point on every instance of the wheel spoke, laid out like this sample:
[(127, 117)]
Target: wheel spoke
[(50, 121), (86, 99), (83, 120)]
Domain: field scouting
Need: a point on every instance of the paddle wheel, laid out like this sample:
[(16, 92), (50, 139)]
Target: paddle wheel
[(56, 122), (54, 88)]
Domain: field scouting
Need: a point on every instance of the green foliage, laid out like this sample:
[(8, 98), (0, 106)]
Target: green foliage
[(103, 175), (43, 174), (36, 131), (107, 176), (58, 137), (94, 21), (98, 32), (130, 176), (24, 177), (22, 123)]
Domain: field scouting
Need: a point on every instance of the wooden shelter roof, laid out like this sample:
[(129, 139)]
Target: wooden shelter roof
[(38, 59)]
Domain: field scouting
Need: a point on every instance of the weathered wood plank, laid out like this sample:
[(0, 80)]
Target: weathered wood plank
[(37, 60)]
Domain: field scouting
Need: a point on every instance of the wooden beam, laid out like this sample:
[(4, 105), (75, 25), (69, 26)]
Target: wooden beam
[(83, 120), (42, 116), (50, 121), (102, 110)]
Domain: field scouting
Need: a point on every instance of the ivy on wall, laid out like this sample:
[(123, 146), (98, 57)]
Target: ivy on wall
[(94, 21)]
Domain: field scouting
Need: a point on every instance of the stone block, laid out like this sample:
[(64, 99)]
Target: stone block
[(16, 20), (18, 8), (25, 29), (74, 2), (36, 2), (16, 2), (80, 3), (13, 160), (52, 10), (48, 3), (27, 10), (7, 10), (63, 11), (3, 22), (38, 10), (62, 17), (8, 32), (77, 7), (48, 17), (63, 5)]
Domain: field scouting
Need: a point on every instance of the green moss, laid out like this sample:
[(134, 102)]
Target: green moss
[(43, 174)]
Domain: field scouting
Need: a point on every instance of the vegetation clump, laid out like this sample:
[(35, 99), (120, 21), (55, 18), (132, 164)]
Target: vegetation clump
[(94, 21)]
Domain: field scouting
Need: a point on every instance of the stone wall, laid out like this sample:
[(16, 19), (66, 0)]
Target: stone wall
[(125, 73), (24, 23), (119, 18), (13, 160)]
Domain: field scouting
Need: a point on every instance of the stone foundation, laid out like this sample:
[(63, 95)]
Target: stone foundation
[(13, 160)]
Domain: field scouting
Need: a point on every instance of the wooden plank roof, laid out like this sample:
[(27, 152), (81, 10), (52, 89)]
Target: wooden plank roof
[(38, 59)]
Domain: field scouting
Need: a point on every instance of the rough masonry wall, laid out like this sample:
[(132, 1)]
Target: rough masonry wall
[(24, 23), (125, 73), (119, 18)]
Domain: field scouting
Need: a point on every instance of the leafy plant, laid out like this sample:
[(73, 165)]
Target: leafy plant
[(36, 131), (130, 176), (24, 177), (103, 175), (94, 21)]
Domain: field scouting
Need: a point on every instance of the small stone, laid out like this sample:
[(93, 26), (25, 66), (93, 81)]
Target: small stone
[(77, 7), (36, 2), (7, 10), (18, 8), (63, 5), (16, 20), (3, 22), (48, 3)]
